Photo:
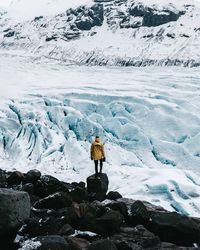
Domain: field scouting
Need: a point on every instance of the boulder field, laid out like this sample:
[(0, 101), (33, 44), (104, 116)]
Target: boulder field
[(40, 212)]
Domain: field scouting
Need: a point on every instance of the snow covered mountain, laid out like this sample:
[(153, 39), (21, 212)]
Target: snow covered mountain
[(104, 32)]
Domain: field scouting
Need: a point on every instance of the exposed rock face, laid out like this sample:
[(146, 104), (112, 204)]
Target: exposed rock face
[(88, 18), (152, 17), (14, 210), (97, 187), (143, 24)]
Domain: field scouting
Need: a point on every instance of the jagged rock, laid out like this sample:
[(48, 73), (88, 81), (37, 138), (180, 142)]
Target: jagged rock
[(97, 187), (108, 224), (113, 195), (79, 194), (55, 201), (15, 178), (32, 176), (14, 210), (52, 242), (48, 185), (102, 244)]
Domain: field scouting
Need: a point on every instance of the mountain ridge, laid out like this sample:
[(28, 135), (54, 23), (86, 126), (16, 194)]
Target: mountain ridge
[(114, 33)]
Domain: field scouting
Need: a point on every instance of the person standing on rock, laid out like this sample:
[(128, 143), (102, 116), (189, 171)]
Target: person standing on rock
[(97, 154)]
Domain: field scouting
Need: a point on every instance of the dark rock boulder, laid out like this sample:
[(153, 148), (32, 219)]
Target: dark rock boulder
[(49, 225), (14, 210), (102, 244), (78, 243), (79, 194), (135, 238), (55, 201), (28, 187), (52, 242), (119, 206), (97, 187), (113, 195), (15, 178), (32, 176), (48, 185), (175, 228), (108, 224), (169, 226)]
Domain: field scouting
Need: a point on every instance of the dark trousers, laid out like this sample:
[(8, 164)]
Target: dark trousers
[(96, 163)]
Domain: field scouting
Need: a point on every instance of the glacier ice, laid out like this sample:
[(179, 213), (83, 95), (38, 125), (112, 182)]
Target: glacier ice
[(147, 118)]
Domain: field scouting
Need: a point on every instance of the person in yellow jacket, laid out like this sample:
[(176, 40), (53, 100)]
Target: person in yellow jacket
[(97, 154)]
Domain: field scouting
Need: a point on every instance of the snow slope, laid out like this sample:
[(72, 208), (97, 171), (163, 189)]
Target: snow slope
[(148, 119), (117, 32)]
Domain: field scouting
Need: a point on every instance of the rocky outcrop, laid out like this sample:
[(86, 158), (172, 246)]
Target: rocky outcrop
[(79, 218)]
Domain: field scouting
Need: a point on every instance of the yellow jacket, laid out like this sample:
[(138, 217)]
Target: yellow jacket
[(97, 150)]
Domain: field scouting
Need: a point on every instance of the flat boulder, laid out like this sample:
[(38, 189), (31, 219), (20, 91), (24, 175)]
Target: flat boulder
[(54, 201), (97, 187), (15, 208)]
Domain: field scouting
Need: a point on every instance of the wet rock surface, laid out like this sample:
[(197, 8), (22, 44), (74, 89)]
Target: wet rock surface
[(70, 219)]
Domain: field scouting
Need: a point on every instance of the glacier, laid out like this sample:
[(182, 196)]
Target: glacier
[(148, 119), (55, 97)]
